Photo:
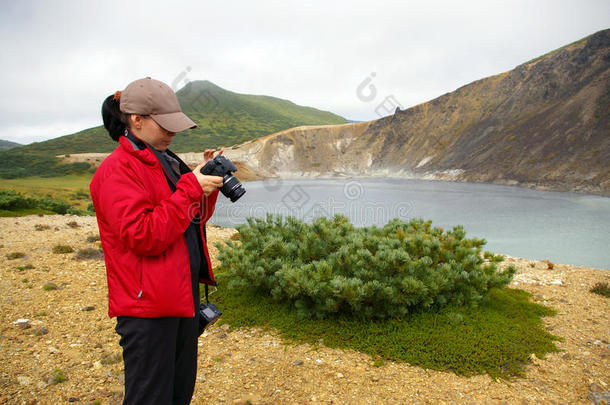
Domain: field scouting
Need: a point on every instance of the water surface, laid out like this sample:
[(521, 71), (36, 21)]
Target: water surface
[(567, 228)]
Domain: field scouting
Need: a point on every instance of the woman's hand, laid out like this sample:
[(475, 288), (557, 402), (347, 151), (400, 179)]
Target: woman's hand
[(209, 154), (208, 183)]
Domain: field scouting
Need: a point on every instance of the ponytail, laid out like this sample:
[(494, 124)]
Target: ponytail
[(114, 119)]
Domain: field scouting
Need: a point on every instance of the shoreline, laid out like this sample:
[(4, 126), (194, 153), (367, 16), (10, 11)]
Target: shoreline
[(505, 183), (456, 175), (254, 364)]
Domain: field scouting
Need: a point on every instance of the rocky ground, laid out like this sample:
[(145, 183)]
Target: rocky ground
[(58, 345)]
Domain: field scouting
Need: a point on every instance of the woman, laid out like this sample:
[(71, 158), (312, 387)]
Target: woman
[(151, 211)]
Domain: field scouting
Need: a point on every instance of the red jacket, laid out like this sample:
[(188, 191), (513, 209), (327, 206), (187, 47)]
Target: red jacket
[(142, 225)]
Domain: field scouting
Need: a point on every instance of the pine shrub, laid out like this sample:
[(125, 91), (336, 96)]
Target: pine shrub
[(331, 267)]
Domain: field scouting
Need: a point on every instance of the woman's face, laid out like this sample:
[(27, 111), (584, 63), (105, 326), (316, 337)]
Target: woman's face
[(152, 133)]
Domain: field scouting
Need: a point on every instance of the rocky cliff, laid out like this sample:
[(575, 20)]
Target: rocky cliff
[(545, 123)]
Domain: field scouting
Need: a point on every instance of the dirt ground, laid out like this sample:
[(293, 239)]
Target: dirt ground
[(54, 317)]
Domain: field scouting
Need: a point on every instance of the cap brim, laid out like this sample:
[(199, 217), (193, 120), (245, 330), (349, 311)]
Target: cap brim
[(174, 122)]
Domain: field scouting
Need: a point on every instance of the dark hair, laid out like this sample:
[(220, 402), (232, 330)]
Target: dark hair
[(114, 119)]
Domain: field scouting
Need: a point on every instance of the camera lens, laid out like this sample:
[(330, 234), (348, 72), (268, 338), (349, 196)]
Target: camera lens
[(232, 188)]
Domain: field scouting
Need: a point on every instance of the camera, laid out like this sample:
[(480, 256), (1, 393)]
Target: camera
[(223, 167), (208, 315)]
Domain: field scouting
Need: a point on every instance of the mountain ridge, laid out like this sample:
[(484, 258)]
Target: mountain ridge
[(223, 118), (545, 124), (6, 145)]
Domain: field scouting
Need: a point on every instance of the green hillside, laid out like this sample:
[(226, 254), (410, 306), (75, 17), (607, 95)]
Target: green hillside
[(227, 118), (6, 145), (223, 118)]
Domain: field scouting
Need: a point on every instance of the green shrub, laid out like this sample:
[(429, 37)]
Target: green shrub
[(50, 287), (601, 289), (51, 204), (57, 377), (81, 195), (332, 267), (62, 249), (15, 255), (89, 254), (93, 238), (80, 213), (10, 200)]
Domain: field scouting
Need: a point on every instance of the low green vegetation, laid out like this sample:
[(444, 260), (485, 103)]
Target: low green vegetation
[(441, 304), (73, 189), (93, 238), (15, 255), (89, 254), (496, 338), (59, 249), (13, 203), (57, 377), (601, 289), (50, 287)]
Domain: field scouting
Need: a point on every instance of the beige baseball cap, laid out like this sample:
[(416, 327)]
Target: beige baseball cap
[(154, 98)]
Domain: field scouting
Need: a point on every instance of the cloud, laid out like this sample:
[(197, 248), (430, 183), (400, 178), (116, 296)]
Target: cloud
[(62, 58)]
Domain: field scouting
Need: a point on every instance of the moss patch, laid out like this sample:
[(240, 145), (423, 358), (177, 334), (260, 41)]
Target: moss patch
[(496, 338)]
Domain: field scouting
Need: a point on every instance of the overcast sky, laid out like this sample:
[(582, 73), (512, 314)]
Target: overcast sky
[(60, 59)]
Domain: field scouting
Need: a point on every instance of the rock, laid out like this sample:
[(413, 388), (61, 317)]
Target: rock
[(41, 331), (599, 398), (41, 385), (22, 323), (595, 388), (567, 356), (73, 399), (53, 350), (297, 362), (225, 327), (556, 282), (23, 380), (339, 375), (88, 308)]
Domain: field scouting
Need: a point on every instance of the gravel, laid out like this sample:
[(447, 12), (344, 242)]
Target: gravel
[(68, 329)]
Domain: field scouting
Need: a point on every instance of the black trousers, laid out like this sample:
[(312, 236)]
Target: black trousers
[(160, 356)]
